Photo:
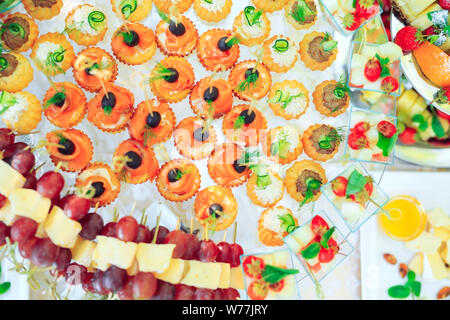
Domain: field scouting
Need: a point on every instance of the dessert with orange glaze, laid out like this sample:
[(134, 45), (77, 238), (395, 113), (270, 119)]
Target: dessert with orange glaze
[(274, 224), (178, 180), (224, 167), (321, 142), (153, 122), (94, 67), (86, 25), (172, 79), (43, 9), (133, 163), (215, 207), (244, 125), (318, 50), (288, 99), (218, 50), (177, 36), (101, 183), (250, 80), (211, 98), (71, 148), (434, 63), (111, 111), (331, 98), (283, 144), (133, 44), (176, 5), (265, 190), (64, 105), (252, 26), (194, 138), (18, 32)]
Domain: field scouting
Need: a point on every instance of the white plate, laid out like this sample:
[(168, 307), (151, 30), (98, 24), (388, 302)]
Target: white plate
[(376, 274)]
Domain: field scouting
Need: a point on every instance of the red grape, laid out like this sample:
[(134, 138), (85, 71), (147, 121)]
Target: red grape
[(218, 294), (76, 207), (4, 233), (166, 291), (88, 285), (50, 185), (3, 200), (224, 252), (26, 246), (143, 235), (12, 149), (144, 286), (236, 253), (23, 161), (192, 247), (7, 137), (126, 293), (44, 253), (179, 239), (75, 274), (184, 292), (162, 234), (114, 279), (97, 283), (31, 181), (63, 260), (23, 229), (230, 294), (208, 251), (127, 229), (109, 230), (203, 294), (92, 225)]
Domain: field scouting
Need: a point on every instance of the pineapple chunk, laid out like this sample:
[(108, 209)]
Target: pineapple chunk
[(10, 180), (225, 276), (422, 22), (203, 275), (437, 266), (416, 264), (82, 252), (236, 278), (174, 273), (29, 203), (154, 257), (62, 230), (112, 251), (7, 215)]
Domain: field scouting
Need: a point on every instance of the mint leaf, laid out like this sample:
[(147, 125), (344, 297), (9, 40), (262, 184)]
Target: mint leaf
[(423, 124), (356, 183), (326, 237), (387, 144), (311, 251), (436, 124), (399, 292), (274, 275), (239, 123), (4, 287), (414, 286), (411, 275)]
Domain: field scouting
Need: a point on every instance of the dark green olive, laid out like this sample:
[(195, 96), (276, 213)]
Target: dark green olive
[(238, 168), (109, 100), (214, 209), (223, 45)]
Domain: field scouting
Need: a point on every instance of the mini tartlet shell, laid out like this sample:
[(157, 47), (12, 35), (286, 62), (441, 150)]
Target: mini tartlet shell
[(209, 54), (20, 77), (306, 56), (292, 155), (212, 12), (85, 38), (179, 46), (270, 5), (143, 8), (299, 26), (295, 108), (100, 172), (146, 46), (269, 196), (222, 105), (42, 13), (321, 103), (269, 237), (251, 35), (311, 150), (55, 39), (295, 172), (256, 90), (180, 6), (28, 118), (216, 195), (30, 38), (279, 61)]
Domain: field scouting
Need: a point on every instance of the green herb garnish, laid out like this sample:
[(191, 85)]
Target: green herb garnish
[(281, 45), (7, 100), (274, 275), (287, 223), (387, 144), (327, 44), (15, 28), (284, 98), (161, 73), (411, 287), (94, 18), (420, 120), (385, 71), (341, 89), (301, 11), (127, 7), (436, 124), (252, 16), (311, 185), (58, 97), (4, 287), (311, 251), (251, 80), (356, 183), (326, 237)]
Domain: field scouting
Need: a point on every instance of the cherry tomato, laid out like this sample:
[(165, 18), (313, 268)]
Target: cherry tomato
[(253, 267)]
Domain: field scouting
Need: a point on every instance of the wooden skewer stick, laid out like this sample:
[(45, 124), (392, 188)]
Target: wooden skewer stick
[(96, 207), (225, 236), (155, 236), (235, 232), (192, 225), (102, 83), (178, 224), (206, 231)]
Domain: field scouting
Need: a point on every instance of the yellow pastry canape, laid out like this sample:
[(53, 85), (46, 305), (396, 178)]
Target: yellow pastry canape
[(21, 111), (86, 25), (321, 142), (265, 189), (318, 50), (331, 98), (283, 144), (301, 14), (132, 10), (19, 32), (212, 10), (280, 54), (274, 224), (252, 26), (16, 72), (43, 9), (289, 99)]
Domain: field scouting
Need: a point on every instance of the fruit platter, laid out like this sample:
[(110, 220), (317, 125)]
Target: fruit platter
[(193, 150)]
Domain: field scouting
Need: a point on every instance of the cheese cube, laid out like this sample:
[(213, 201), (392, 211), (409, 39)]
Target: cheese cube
[(225, 276), (154, 257), (437, 266), (113, 251), (426, 243), (10, 179), (237, 278), (29, 203), (442, 233), (7, 215), (62, 230), (203, 275), (82, 252), (174, 273), (416, 264)]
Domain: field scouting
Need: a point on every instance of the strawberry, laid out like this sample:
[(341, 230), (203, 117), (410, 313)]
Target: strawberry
[(409, 38), (372, 70), (430, 31), (258, 290), (319, 226), (361, 197), (277, 287), (443, 115), (445, 4), (327, 255), (389, 84), (357, 141), (443, 95), (369, 186), (408, 136), (362, 126), (339, 186), (351, 21), (386, 128), (366, 9), (253, 267)]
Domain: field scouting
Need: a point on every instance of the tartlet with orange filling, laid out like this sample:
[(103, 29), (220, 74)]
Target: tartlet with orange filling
[(94, 67), (244, 125), (111, 111), (274, 224), (18, 32), (178, 180), (252, 26), (177, 36), (194, 138), (100, 183), (289, 99), (304, 179), (318, 50), (72, 148), (216, 207), (133, 163), (250, 80), (331, 98), (224, 167), (43, 9), (133, 44), (153, 122), (64, 105), (211, 98), (213, 10), (321, 142), (265, 190), (86, 25), (167, 6), (132, 10), (218, 50), (172, 79), (283, 144)]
